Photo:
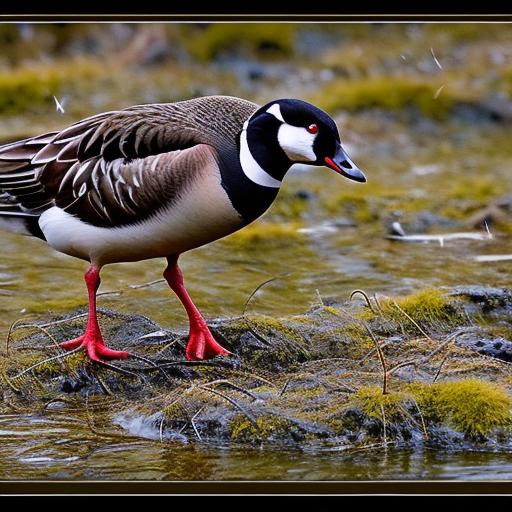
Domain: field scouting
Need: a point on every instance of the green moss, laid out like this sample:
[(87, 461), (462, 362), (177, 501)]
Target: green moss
[(388, 93), (267, 427), (371, 401), (262, 38), (479, 189), (373, 202), (268, 325), (429, 305), (27, 88), (71, 363), (289, 205), (464, 32), (265, 234), (471, 406)]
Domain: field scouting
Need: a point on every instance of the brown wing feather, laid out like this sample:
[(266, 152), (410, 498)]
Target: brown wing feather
[(86, 168), (113, 193)]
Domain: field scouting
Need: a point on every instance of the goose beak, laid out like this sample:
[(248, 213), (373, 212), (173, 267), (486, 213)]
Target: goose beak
[(342, 164)]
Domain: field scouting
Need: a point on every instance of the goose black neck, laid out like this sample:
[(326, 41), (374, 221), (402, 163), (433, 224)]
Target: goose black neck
[(263, 143)]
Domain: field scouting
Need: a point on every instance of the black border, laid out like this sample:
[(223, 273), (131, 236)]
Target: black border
[(435, 11), (144, 487)]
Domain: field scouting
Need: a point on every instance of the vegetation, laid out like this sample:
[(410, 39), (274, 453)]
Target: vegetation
[(387, 93)]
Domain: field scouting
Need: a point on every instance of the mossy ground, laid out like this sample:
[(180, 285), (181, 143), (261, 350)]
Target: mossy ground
[(315, 377)]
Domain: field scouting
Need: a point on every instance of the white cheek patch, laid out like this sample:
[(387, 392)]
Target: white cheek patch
[(297, 143)]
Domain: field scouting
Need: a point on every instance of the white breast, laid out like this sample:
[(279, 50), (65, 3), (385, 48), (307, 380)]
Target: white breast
[(202, 215)]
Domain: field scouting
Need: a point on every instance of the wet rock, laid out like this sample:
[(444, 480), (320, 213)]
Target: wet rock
[(299, 381), (483, 299), (500, 348)]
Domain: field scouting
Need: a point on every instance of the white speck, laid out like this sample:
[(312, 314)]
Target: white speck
[(490, 258), (156, 334), (403, 57), (23, 311), (438, 92), (59, 105), (487, 230), (423, 170), (398, 229), (435, 58)]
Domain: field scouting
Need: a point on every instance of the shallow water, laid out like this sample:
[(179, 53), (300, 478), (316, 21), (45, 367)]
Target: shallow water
[(331, 262), (60, 447)]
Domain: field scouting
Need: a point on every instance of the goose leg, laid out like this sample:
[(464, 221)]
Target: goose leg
[(92, 340), (201, 344)]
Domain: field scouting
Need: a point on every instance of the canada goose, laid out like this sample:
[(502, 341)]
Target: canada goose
[(157, 180)]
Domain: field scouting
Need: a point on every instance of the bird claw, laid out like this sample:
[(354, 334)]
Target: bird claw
[(202, 345), (95, 348)]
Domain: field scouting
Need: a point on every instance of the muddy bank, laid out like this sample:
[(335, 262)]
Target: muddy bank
[(430, 369)]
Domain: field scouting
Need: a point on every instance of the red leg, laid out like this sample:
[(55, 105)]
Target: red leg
[(92, 340), (201, 344)]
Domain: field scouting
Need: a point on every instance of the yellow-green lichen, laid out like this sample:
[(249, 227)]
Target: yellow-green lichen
[(265, 234), (211, 41), (388, 93), (28, 88), (428, 305), (373, 403), (264, 428), (472, 406)]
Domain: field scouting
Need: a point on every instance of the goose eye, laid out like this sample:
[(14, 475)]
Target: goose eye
[(312, 128)]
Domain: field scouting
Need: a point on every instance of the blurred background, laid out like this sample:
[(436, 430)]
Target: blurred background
[(424, 109)]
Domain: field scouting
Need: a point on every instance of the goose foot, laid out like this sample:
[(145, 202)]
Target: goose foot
[(95, 348)]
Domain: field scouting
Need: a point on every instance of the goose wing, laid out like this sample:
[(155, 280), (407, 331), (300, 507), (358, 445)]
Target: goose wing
[(118, 167)]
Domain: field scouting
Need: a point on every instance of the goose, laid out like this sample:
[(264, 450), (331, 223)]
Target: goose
[(157, 180)]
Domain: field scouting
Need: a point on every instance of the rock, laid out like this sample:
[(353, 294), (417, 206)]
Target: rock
[(309, 380)]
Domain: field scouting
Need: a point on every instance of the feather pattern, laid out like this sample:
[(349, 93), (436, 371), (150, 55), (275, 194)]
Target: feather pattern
[(118, 167)]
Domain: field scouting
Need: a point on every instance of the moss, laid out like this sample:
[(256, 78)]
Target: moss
[(269, 325), (471, 406), (429, 305), (267, 427), (371, 401), (387, 93), (373, 202), (261, 38), (289, 205), (463, 32), (261, 234), (71, 363), (476, 190), (27, 88)]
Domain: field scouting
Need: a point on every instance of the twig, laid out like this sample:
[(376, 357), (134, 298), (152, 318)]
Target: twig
[(145, 285), (384, 424), (54, 358), (194, 425), (230, 384), (424, 426), (103, 385), (367, 299), (382, 359), (259, 287), (284, 388), (439, 369), (249, 416), (161, 429), (411, 319)]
